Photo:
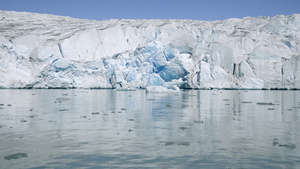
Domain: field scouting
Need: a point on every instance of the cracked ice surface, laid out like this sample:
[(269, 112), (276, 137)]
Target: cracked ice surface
[(47, 51)]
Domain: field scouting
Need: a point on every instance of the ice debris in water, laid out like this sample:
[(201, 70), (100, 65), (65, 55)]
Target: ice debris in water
[(180, 143), (15, 156), (290, 146), (157, 55), (62, 98), (23, 120), (287, 145), (63, 109), (265, 103), (160, 89)]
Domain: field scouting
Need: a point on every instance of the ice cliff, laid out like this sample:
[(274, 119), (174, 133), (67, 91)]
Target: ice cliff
[(47, 51)]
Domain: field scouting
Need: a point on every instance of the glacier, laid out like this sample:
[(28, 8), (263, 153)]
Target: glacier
[(48, 51)]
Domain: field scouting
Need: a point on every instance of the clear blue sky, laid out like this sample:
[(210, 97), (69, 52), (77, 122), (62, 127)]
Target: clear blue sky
[(155, 9)]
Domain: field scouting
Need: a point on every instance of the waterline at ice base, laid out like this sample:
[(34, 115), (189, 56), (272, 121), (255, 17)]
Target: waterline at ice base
[(48, 51)]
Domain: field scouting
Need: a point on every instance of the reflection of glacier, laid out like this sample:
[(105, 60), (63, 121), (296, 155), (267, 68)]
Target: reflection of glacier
[(109, 128), (46, 51)]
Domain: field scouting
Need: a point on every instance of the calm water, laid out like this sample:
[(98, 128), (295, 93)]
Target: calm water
[(135, 129)]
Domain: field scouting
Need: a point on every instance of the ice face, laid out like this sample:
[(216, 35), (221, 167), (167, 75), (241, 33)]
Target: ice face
[(63, 52)]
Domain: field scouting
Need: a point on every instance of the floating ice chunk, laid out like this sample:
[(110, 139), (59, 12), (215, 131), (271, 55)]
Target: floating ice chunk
[(63, 98), (159, 89), (15, 156)]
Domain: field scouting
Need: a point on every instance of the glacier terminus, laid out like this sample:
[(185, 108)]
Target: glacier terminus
[(48, 51)]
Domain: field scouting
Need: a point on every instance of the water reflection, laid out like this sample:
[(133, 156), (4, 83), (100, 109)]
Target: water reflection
[(135, 129)]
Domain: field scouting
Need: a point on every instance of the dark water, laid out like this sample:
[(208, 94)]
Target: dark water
[(135, 129)]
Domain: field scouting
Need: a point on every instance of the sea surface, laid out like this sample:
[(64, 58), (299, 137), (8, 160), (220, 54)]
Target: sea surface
[(135, 129)]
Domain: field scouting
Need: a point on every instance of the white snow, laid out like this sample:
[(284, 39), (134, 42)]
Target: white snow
[(47, 51)]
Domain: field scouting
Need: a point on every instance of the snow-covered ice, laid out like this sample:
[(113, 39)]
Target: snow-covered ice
[(48, 51)]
